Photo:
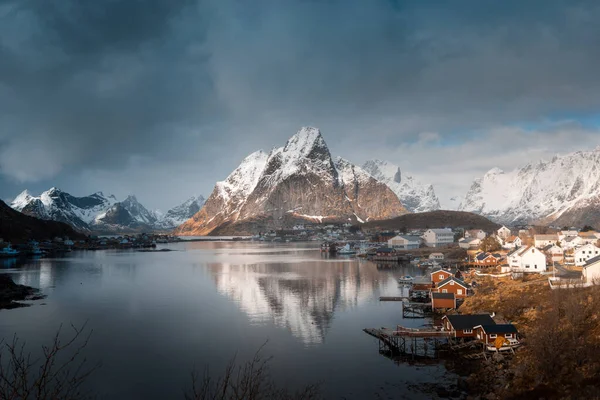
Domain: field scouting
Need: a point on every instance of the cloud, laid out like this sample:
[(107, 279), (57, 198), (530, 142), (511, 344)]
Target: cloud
[(87, 88)]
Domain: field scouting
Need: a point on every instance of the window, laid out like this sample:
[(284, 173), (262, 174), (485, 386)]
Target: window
[(493, 336), (535, 266), (441, 276), (444, 291), (508, 335), (451, 283), (468, 331), (459, 291), (526, 265)]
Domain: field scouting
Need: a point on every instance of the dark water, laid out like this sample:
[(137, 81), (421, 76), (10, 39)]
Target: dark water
[(157, 316)]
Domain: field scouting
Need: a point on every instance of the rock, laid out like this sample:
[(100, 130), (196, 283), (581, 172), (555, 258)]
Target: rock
[(10, 293)]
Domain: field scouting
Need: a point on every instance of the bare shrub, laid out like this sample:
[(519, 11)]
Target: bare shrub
[(249, 381), (56, 375)]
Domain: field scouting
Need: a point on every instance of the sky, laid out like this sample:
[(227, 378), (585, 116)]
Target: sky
[(162, 98)]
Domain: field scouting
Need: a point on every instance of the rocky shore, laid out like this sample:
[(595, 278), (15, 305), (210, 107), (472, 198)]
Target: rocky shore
[(11, 294)]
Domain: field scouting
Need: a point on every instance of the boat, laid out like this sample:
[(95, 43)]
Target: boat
[(8, 251), (346, 250), (35, 250), (406, 279)]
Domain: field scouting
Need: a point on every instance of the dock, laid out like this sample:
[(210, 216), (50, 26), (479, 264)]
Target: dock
[(409, 340)]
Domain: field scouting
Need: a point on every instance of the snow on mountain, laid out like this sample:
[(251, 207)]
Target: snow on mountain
[(564, 190), (93, 213), (298, 181), (57, 205), (414, 195), (179, 214)]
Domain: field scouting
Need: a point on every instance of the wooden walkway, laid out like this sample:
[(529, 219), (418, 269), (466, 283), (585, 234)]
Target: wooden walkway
[(408, 340)]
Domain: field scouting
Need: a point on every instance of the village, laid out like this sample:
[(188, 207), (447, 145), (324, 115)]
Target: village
[(480, 308)]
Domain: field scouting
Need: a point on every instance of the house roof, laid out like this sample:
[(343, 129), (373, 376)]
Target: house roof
[(410, 238), (449, 296), (498, 328), (452, 278), (497, 255), (512, 239), (545, 237), (470, 240), (483, 256), (443, 231), (587, 234), (513, 252), (442, 270), (469, 321), (385, 250), (591, 261), (571, 238)]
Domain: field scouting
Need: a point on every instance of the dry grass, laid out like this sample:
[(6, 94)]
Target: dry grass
[(561, 335)]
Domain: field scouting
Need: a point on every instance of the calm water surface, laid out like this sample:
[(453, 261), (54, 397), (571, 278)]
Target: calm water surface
[(157, 316)]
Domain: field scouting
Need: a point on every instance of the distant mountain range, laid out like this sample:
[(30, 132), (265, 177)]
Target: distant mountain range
[(414, 195), (99, 213), (17, 227), (564, 191), (299, 182)]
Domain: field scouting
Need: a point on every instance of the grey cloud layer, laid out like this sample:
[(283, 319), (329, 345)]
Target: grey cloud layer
[(114, 91)]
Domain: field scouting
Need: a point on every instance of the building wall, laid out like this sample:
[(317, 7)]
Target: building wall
[(443, 303), (459, 291), (440, 276), (591, 274), (585, 253)]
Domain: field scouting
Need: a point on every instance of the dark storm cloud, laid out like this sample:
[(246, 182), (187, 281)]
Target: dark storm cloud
[(106, 89)]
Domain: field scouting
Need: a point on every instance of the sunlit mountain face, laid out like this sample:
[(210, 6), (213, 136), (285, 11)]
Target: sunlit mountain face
[(301, 297)]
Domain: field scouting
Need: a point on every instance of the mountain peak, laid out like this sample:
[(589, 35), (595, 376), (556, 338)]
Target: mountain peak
[(304, 141)]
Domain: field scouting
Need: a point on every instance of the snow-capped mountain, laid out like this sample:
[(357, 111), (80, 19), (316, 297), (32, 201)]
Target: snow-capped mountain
[(414, 195), (100, 213), (179, 214), (562, 191), (56, 205), (297, 182)]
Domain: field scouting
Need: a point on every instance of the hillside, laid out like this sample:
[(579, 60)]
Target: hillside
[(435, 219), (17, 227)]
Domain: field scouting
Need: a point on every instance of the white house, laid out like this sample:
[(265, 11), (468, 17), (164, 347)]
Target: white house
[(584, 253), (564, 234), (571, 242), (512, 242), (556, 253), (475, 233), (540, 241), (527, 259), (436, 256), (469, 243), (438, 237), (591, 271), (589, 237), (503, 232), (404, 242)]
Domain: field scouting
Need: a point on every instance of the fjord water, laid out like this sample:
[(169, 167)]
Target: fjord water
[(158, 316)]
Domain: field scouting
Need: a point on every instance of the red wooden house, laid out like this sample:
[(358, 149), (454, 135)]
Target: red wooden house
[(452, 285), (440, 275), (488, 334), (443, 301), (463, 326)]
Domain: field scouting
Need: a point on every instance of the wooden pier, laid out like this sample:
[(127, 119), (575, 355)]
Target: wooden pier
[(393, 298), (418, 342)]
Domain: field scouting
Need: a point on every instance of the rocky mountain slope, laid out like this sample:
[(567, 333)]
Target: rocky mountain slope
[(99, 213), (297, 182), (562, 191), (17, 227), (179, 214), (414, 195)]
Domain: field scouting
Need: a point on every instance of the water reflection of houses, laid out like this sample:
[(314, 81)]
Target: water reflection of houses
[(300, 297)]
